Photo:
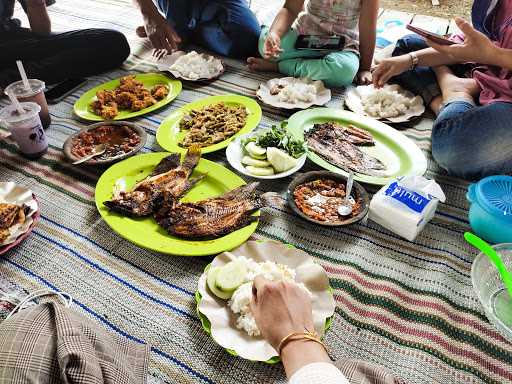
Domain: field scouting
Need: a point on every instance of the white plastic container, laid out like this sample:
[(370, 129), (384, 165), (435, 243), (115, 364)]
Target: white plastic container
[(405, 205)]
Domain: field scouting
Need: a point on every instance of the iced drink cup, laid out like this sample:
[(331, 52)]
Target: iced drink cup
[(26, 129), (34, 94)]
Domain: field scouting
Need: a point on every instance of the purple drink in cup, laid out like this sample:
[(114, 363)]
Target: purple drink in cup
[(26, 129), (34, 93)]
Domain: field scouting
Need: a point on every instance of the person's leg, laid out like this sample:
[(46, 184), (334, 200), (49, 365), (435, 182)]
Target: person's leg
[(336, 69), (63, 55), (179, 14), (454, 87), (228, 27), (473, 142)]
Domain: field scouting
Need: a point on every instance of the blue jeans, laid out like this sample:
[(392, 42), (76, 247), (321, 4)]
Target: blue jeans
[(422, 80), (226, 27), (473, 141)]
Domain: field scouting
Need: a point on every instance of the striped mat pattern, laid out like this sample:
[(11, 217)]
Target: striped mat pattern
[(407, 306)]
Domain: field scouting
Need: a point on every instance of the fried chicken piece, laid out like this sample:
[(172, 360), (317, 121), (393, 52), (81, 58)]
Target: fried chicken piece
[(105, 96), (130, 84), (125, 100), (109, 111), (160, 91)]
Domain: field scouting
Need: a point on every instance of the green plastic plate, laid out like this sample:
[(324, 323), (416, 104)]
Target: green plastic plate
[(400, 154), (83, 110), (169, 135), (145, 232)]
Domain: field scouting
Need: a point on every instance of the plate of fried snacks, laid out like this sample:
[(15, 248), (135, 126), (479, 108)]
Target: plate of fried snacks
[(19, 212), (317, 196), (267, 154), (224, 293), (293, 93), (127, 97), (191, 66), (120, 138), (390, 104), (210, 123), (178, 204), (343, 141)]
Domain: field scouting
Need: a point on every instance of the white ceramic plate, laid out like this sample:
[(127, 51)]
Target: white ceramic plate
[(12, 193), (353, 100), (166, 62), (222, 319), (235, 153), (323, 95)]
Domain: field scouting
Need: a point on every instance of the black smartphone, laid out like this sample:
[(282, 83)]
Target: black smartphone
[(441, 40), (61, 90), (320, 43)]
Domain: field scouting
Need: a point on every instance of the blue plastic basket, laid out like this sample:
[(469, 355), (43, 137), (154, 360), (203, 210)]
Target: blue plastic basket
[(490, 214)]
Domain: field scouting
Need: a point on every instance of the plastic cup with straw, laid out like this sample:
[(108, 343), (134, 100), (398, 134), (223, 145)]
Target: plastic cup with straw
[(16, 103)]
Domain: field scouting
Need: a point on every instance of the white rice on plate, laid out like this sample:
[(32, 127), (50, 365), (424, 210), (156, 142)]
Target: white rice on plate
[(388, 102), (196, 66)]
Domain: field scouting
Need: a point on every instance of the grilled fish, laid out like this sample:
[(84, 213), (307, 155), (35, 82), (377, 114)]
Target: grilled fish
[(214, 217), (168, 182), (339, 146)]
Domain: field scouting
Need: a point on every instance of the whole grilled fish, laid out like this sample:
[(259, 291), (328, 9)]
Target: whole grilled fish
[(168, 182), (214, 217), (339, 146)]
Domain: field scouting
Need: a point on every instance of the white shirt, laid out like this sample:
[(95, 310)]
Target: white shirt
[(318, 373)]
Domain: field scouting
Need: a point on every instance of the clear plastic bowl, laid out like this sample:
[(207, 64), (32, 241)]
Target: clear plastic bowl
[(491, 291)]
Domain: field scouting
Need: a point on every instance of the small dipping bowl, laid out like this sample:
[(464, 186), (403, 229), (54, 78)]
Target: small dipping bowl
[(68, 144), (491, 291), (358, 192)]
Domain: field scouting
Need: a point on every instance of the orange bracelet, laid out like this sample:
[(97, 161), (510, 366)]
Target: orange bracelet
[(298, 336)]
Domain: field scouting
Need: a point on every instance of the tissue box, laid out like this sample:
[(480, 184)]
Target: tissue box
[(404, 206)]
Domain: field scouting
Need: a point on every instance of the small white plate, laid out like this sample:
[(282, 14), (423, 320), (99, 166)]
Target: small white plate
[(323, 95), (12, 193), (235, 153), (353, 100), (166, 62)]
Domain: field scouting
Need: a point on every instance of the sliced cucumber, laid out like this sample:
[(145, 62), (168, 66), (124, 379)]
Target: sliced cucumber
[(259, 171), (280, 160), (211, 282), (231, 276), (248, 160), (254, 150)]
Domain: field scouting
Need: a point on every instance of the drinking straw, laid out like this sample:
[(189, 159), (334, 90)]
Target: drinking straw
[(15, 102), (23, 74)]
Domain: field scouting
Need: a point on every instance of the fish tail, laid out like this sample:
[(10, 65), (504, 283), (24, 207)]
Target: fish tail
[(192, 157), (272, 199)]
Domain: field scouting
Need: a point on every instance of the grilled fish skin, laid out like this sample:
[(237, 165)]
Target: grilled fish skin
[(168, 182), (214, 217), (339, 146)]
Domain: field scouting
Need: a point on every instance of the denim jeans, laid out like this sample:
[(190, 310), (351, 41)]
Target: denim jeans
[(473, 141), (421, 80), (226, 27)]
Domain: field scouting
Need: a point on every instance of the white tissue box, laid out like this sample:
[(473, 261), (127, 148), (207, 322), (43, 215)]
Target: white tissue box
[(404, 206)]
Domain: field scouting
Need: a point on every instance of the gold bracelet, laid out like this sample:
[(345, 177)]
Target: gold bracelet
[(298, 336)]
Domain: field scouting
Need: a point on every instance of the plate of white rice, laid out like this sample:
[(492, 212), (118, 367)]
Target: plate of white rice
[(389, 104), (293, 93), (231, 323), (192, 66)]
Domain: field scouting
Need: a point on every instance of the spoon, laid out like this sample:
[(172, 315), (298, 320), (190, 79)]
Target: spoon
[(345, 208), (98, 150), (493, 256)]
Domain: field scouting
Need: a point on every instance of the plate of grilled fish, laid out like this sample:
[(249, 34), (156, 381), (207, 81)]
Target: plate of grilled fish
[(178, 204), (127, 97), (18, 214), (342, 142), (210, 123)]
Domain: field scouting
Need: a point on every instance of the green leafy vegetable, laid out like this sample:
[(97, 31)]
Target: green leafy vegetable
[(278, 137)]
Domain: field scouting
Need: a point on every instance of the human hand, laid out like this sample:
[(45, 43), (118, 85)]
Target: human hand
[(388, 68), (279, 309), (272, 46), (364, 77), (161, 34), (476, 48)]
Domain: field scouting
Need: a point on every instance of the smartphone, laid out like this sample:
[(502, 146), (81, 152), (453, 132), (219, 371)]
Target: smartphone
[(430, 35), (320, 43), (61, 90)]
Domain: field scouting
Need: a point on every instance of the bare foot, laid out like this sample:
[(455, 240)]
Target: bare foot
[(454, 87), (141, 31), (435, 104), (262, 65)]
